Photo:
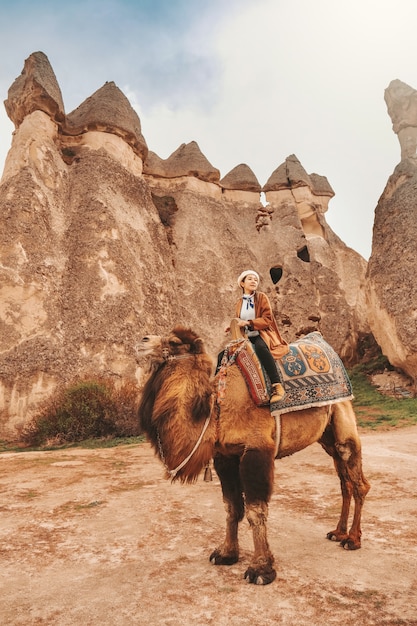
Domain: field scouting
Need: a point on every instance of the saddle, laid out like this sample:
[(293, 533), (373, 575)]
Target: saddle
[(241, 352), (311, 373)]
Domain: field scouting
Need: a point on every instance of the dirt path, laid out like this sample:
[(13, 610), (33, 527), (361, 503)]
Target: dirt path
[(99, 537)]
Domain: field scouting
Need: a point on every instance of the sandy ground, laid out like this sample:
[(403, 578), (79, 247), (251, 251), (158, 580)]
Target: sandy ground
[(99, 537)]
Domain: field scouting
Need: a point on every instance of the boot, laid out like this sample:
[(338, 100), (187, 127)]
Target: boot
[(277, 393)]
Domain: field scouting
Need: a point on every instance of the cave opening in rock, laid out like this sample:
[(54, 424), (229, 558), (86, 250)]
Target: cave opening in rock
[(276, 274), (304, 254)]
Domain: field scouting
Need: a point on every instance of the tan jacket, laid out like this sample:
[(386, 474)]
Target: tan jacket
[(265, 323)]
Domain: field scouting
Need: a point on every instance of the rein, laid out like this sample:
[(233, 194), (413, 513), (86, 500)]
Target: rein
[(175, 471)]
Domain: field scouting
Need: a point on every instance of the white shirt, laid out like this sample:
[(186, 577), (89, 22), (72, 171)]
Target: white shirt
[(247, 312)]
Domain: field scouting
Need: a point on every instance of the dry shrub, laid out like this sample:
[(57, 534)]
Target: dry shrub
[(86, 409), (125, 415)]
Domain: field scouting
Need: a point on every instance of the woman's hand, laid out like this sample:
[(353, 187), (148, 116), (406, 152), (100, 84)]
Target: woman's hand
[(240, 323)]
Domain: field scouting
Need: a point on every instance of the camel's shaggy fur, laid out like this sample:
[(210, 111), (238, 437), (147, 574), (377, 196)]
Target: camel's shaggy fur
[(178, 397)]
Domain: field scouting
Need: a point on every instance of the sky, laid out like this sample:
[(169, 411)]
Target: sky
[(251, 81)]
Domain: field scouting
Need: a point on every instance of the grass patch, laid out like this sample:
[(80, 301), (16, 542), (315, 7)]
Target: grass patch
[(110, 442), (90, 444), (375, 410)]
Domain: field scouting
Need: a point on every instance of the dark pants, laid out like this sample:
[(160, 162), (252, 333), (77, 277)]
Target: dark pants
[(263, 354)]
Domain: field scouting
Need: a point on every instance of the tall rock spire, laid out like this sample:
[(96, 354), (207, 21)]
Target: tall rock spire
[(391, 275), (401, 101), (36, 89)]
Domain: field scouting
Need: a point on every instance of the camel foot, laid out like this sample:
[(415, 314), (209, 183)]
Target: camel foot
[(350, 544), (336, 535), (346, 542), (260, 575), (217, 558)]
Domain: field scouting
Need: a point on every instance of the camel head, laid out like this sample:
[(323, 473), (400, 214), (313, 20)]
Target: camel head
[(180, 342), (176, 400)]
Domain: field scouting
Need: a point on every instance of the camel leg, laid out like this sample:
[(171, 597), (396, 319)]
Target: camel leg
[(257, 476), (353, 483), (347, 459), (227, 469)]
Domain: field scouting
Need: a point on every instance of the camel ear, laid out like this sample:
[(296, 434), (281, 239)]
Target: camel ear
[(175, 340), (198, 346)]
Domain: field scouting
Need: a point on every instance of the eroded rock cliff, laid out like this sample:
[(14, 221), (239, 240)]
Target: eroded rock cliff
[(392, 269), (102, 241)]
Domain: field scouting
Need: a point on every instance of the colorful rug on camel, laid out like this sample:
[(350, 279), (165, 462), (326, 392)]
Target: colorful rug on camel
[(243, 354), (312, 374)]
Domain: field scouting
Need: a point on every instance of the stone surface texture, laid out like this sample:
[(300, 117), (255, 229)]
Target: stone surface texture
[(242, 178), (102, 242), (108, 110), (401, 101), (392, 269), (391, 276), (36, 89), (187, 160)]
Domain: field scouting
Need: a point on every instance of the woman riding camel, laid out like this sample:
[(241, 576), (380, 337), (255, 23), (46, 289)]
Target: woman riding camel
[(254, 313)]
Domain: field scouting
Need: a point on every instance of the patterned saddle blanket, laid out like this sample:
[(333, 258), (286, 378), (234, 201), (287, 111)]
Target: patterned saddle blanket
[(311, 372)]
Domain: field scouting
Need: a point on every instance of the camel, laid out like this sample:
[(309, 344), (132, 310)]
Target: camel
[(187, 427)]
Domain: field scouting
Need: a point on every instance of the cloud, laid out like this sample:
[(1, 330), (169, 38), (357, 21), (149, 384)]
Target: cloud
[(251, 82)]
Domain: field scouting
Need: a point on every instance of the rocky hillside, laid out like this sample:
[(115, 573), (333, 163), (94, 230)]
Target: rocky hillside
[(102, 241)]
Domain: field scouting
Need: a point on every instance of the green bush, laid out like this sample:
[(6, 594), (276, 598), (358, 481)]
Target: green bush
[(86, 409)]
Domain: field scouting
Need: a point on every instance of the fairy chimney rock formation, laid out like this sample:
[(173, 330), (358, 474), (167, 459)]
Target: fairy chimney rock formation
[(391, 276), (83, 251), (401, 101), (288, 175), (310, 193), (241, 178), (102, 241), (36, 89), (241, 185), (308, 253), (108, 110), (186, 168), (187, 160)]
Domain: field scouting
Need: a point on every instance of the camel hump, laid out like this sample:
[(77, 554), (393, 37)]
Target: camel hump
[(235, 330)]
